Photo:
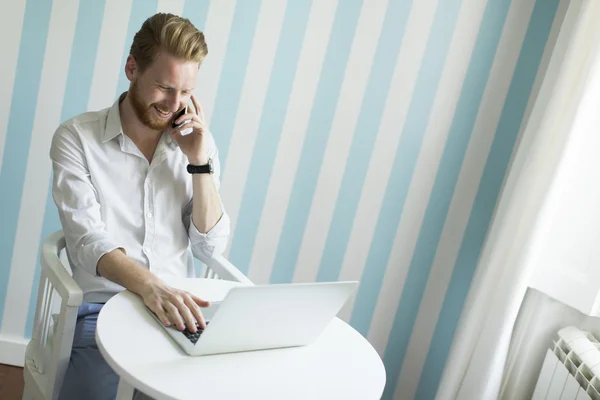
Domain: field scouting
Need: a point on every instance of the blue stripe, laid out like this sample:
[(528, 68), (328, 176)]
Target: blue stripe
[(269, 131), (404, 164), (315, 142), (365, 133), (75, 101), (20, 125), (476, 79), (508, 128), (196, 11), (83, 58), (140, 11), (233, 74)]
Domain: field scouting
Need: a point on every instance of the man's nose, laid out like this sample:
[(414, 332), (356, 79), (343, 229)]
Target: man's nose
[(175, 102)]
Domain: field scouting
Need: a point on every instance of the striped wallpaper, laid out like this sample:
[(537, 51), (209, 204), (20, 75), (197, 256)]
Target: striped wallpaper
[(359, 139)]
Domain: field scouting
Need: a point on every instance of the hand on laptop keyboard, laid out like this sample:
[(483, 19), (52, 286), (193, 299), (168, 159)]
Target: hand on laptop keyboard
[(175, 307), (193, 336)]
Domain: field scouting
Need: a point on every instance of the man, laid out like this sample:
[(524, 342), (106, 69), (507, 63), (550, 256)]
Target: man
[(137, 197)]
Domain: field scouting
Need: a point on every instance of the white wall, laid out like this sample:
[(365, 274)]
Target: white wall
[(360, 140)]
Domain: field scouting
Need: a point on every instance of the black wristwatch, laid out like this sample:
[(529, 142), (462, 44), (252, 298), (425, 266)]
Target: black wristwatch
[(201, 169)]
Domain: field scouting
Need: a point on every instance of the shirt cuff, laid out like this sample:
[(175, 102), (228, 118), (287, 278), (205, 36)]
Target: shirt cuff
[(92, 248), (214, 241)]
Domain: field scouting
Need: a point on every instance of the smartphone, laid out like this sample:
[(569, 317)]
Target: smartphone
[(179, 114)]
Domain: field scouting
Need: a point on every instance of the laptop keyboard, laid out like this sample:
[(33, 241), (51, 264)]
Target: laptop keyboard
[(193, 337)]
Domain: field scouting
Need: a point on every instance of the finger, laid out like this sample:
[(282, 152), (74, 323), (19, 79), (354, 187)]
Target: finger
[(195, 311), (155, 306), (177, 134), (200, 302), (196, 127), (189, 124), (174, 316), (198, 108), (162, 315), (188, 317), (187, 117)]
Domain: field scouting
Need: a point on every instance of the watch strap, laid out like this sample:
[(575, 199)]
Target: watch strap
[(200, 169)]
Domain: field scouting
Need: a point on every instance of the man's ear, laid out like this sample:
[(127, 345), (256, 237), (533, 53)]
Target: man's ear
[(131, 69)]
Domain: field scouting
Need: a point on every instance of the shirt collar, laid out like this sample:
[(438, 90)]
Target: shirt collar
[(113, 123), (114, 128)]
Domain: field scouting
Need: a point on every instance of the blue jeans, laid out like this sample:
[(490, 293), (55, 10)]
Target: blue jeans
[(88, 376)]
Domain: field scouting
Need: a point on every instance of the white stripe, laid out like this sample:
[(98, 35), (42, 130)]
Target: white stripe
[(9, 28), (247, 120), (561, 11), (434, 141), (466, 190), (171, 6), (110, 51), (61, 32), (218, 24), (386, 144), (338, 146), (310, 64)]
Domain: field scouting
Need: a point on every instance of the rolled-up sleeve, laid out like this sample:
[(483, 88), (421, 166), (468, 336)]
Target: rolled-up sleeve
[(77, 202), (205, 245)]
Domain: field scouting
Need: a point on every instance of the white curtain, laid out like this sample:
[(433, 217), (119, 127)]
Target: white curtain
[(478, 355)]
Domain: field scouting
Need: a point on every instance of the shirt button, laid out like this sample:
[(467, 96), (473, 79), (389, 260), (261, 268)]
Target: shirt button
[(148, 250), (149, 215)]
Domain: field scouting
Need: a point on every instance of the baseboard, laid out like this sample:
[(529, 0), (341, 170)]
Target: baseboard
[(12, 350)]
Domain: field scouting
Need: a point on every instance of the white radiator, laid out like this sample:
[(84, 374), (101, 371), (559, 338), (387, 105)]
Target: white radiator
[(571, 369)]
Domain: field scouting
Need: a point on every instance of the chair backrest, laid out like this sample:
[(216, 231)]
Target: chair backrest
[(220, 268), (58, 301)]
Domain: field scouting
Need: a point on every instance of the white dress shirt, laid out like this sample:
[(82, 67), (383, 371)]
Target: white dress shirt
[(109, 196)]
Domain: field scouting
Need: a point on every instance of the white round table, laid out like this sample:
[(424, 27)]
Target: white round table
[(341, 364)]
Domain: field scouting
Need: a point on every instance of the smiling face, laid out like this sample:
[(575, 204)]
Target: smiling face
[(162, 89)]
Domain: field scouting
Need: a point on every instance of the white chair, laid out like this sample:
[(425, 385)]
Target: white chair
[(59, 297)]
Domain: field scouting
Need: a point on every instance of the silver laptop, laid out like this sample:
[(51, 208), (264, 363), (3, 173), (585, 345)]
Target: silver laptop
[(265, 317)]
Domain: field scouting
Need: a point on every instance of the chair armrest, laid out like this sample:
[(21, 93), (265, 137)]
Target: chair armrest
[(55, 271), (227, 270)]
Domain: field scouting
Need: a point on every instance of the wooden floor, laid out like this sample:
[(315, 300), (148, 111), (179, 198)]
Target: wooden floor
[(11, 382)]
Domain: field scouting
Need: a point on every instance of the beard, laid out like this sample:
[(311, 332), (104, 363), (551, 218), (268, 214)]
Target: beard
[(145, 113)]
